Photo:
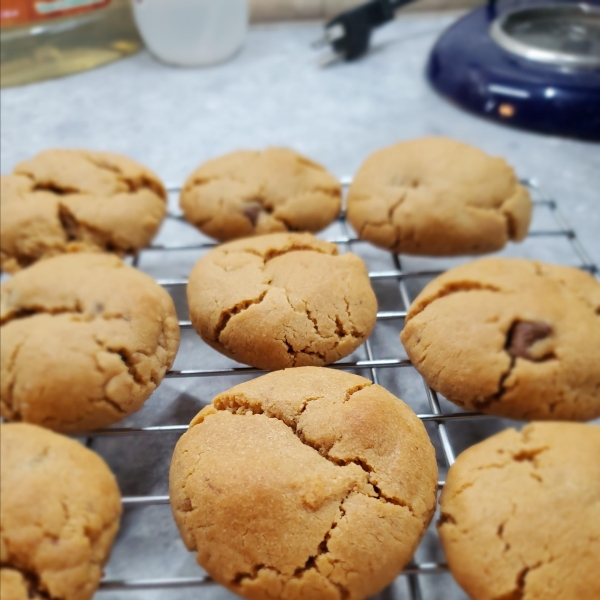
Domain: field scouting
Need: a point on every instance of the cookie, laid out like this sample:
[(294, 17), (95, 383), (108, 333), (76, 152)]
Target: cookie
[(438, 197), (60, 513), (85, 340), (76, 200), (304, 483), (521, 516), (250, 192), (281, 300), (510, 337)]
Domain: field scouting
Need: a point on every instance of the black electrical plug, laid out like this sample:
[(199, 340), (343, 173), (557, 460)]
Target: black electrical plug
[(350, 32)]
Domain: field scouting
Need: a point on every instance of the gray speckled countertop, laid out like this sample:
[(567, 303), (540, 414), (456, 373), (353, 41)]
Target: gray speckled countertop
[(273, 94)]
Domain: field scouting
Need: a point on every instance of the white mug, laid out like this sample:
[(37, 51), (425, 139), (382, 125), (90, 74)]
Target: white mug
[(191, 33)]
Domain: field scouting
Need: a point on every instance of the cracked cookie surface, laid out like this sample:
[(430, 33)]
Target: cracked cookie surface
[(77, 200), (510, 337), (438, 197), (520, 514), (282, 300), (85, 341), (304, 483), (60, 513), (254, 192)]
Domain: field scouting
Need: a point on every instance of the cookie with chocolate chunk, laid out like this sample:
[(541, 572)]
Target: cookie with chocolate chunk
[(85, 340), (282, 300), (251, 192), (305, 483), (77, 201), (510, 337), (438, 197)]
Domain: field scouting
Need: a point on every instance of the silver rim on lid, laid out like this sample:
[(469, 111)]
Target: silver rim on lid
[(565, 35)]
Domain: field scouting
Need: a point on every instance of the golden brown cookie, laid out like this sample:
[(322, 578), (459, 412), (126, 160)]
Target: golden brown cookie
[(85, 340), (304, 483), (60, 513), (250, 192), (510, 337), (521, 514), (438, 197), (77, 200), (281, 300)]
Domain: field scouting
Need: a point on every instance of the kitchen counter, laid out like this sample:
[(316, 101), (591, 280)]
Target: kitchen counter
[(273, 94)]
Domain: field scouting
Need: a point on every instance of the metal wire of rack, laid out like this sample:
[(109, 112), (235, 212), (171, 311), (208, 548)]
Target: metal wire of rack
[(372, 365)]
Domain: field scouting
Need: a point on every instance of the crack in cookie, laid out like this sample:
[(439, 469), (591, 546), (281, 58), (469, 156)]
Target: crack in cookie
[(239, 405), (14, 577)]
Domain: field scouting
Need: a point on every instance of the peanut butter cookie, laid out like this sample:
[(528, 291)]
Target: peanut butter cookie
[(510, 337), (520, 516), (76, 200), (60, 513), (438, 197), (85, 341), (249, 192), (304, 483), (281, 300)]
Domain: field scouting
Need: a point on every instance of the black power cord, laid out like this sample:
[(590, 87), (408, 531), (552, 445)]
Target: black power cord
[(350, 32)]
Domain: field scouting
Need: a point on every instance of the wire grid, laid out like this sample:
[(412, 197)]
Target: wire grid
[(371, 364)]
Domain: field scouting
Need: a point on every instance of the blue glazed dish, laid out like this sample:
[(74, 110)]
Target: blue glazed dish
[(469, 67)]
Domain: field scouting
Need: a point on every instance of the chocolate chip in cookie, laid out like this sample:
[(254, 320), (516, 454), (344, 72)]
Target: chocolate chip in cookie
[(252, 210), (252, 193), (523, 335)]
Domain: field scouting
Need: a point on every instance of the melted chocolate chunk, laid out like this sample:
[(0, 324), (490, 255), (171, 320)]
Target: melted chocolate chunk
[(69, 224), (523, 334), (252, 211)]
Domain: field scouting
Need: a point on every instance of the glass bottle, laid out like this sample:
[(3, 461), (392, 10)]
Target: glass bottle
[(41, 39)]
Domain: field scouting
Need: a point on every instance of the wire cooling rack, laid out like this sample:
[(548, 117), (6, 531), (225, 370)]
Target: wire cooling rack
[(401, 276)]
